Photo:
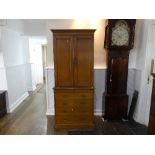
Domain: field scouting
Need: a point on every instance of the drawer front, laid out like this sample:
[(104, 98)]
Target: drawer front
[(73, 109), (73, 106), (73, 96), (73, 119)]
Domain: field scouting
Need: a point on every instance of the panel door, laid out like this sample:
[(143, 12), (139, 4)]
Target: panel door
[(84, 61), (117, 75), (63, 61)]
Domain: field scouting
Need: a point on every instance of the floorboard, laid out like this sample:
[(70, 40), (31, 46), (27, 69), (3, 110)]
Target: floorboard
[(30, 119)]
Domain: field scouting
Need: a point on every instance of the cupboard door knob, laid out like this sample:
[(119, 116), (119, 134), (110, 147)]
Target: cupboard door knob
[(72, 109)]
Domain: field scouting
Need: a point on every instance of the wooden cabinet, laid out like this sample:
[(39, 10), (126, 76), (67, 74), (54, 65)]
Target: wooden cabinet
[(151, 126), (74, 91), (3, 110)]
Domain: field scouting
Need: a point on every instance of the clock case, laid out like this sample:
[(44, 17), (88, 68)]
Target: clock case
[(115, 98)]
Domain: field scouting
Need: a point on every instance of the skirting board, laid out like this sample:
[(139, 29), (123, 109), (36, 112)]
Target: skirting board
[(50, 112), (31, 88), (18, 102), (96, 112)]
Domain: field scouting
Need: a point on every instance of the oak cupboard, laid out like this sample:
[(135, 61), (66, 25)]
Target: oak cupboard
[(74, 76)]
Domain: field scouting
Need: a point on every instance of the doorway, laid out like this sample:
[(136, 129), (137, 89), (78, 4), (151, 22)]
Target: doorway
[(38, 54), (44, 59)]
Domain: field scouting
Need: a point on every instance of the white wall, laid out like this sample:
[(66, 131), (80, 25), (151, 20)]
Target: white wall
[(3, 82), (34, 27), (18, 74), (146, 39), (35, 47), (12, 49), (99, 84)]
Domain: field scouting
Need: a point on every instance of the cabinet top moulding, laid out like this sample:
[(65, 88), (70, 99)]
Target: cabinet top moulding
[(72, 31)]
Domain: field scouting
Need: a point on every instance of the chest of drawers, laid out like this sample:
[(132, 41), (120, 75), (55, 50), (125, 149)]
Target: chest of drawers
[(74, 109)]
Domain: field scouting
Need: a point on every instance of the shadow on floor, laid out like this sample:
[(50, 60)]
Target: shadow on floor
[(114, 128)]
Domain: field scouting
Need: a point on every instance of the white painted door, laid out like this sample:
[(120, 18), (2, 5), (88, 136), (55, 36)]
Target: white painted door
[(148, 78)]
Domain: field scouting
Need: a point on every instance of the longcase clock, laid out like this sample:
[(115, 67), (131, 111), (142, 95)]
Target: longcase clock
[(119, 40)]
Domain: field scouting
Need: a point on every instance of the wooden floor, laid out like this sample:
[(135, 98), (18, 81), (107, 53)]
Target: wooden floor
[(30, 119)]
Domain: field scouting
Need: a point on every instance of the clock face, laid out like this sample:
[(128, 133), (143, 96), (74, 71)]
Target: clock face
[(120, 34)]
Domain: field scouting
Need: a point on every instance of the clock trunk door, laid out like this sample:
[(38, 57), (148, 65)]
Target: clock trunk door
[(83, 61), (117, 75)]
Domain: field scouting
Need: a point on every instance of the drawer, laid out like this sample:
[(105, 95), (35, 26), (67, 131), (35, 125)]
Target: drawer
[(73, 119), (74, 106), (73, 102), (74, 110), (73, 95)]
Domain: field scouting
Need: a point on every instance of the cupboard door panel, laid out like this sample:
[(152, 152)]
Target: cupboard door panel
[(64, 61), (84, 62)]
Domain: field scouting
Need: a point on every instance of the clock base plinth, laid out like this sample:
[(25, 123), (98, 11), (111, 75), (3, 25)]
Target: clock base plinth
[(116, 106)]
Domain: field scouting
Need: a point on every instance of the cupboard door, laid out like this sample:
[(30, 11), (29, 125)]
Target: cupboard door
[(84, 61), (63, 61)]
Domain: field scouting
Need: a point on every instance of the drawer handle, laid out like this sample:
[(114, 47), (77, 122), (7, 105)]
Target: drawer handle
[(72, 109), (82, 103)]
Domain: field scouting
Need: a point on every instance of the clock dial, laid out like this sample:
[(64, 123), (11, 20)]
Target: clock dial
[(120, 34)]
